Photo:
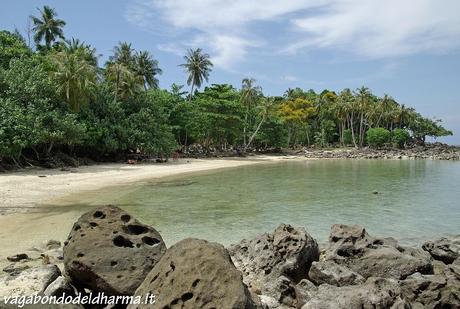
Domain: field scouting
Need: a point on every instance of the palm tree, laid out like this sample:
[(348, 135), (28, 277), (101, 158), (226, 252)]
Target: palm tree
[(249, 95), (123, 78), (47, 27), (198, 66), (121, 70), (147, 67), (75, 77), (265, 110), (362, 96)]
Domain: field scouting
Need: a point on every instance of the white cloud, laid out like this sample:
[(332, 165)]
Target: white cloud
[(379, 29), (370, 28)]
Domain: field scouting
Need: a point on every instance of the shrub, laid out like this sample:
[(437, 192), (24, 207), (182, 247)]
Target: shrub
[(400, 137), (377, 137), (347, 138)]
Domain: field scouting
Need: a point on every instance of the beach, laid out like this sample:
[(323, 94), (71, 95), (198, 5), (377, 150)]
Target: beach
[(28, 198)]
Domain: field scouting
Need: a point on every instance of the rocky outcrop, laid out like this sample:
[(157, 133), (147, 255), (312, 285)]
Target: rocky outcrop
[(435, 151), (273, 263), (283, 269), (31, 281), (333, 274), (374, 293), (368, 256), (195, 274), (446, 249), (109, 251)]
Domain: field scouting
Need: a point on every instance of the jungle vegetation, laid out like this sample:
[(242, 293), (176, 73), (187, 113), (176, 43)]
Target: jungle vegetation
[(56, 98)]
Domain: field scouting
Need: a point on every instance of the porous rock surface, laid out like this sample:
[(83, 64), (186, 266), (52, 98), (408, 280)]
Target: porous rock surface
[(273, 263), (193, 274), (110, 251), (353, 247), (445, 249)]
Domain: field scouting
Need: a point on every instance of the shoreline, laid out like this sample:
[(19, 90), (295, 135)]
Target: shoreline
[(24, 194), (24, 190)]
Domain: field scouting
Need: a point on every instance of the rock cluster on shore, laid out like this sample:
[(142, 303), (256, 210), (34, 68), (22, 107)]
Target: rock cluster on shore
[(109, 251), (436, 151)]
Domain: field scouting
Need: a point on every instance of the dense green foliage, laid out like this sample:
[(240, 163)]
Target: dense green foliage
[(57, 99), (400, 137), (377, 137)]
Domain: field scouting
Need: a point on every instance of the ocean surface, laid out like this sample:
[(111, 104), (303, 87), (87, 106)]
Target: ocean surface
[(410, 200)]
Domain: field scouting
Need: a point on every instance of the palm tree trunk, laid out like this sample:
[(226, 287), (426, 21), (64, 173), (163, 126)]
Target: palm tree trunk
[(191, 90), (352, 131), (254, 134)]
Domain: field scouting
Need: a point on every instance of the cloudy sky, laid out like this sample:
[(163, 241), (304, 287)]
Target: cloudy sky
[(408, 49)]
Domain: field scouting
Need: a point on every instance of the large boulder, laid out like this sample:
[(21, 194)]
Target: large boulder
[(374, 293), (109, 251), (368, 256), (195, 274), (31, 281), (445, 249), (334, 274), (273, 263)]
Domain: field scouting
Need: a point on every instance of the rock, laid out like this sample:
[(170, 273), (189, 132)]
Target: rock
[(60, 286), (374, 293), (445, 249), (423, 290), (53, 244), (110, 251), (388, 262), (17, 257), (195, 274), (29, 282), (333, 274), (15, 268), (270, 260), (351, 246)]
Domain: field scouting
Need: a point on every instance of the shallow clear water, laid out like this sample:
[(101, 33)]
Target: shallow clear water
[(416, 200)]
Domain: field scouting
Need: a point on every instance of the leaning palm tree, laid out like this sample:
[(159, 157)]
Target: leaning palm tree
[(264, 111), (249, 96), (198, 66), (148, 69), (47, 27)]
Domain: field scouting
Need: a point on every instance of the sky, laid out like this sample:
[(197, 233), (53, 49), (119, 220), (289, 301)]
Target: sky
[(408, 49)]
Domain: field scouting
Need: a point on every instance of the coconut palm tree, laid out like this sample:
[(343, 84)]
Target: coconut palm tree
[(123, 53), (75, 77), (249, 96), (264, 111), (147, 67), (47, 27), (198, 66)]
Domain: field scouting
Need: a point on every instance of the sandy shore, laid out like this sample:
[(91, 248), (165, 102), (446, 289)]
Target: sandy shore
[(25, 220), (19, 191)]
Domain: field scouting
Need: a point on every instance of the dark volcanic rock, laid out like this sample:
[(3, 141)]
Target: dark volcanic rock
[(110, 251), (445, 249), (287, 253), (195, 274), (17, 257), (374, 293)]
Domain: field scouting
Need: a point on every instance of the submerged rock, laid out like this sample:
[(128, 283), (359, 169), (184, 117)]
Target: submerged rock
[(110, 251), (195, 274)]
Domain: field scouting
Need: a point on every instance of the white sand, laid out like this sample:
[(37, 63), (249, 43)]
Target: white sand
[(24, 192)]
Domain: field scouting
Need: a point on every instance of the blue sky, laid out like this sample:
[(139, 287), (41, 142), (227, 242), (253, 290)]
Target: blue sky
[(408, 49)]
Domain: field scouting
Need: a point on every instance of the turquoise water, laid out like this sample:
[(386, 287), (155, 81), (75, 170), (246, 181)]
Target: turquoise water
[(416, 200)]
